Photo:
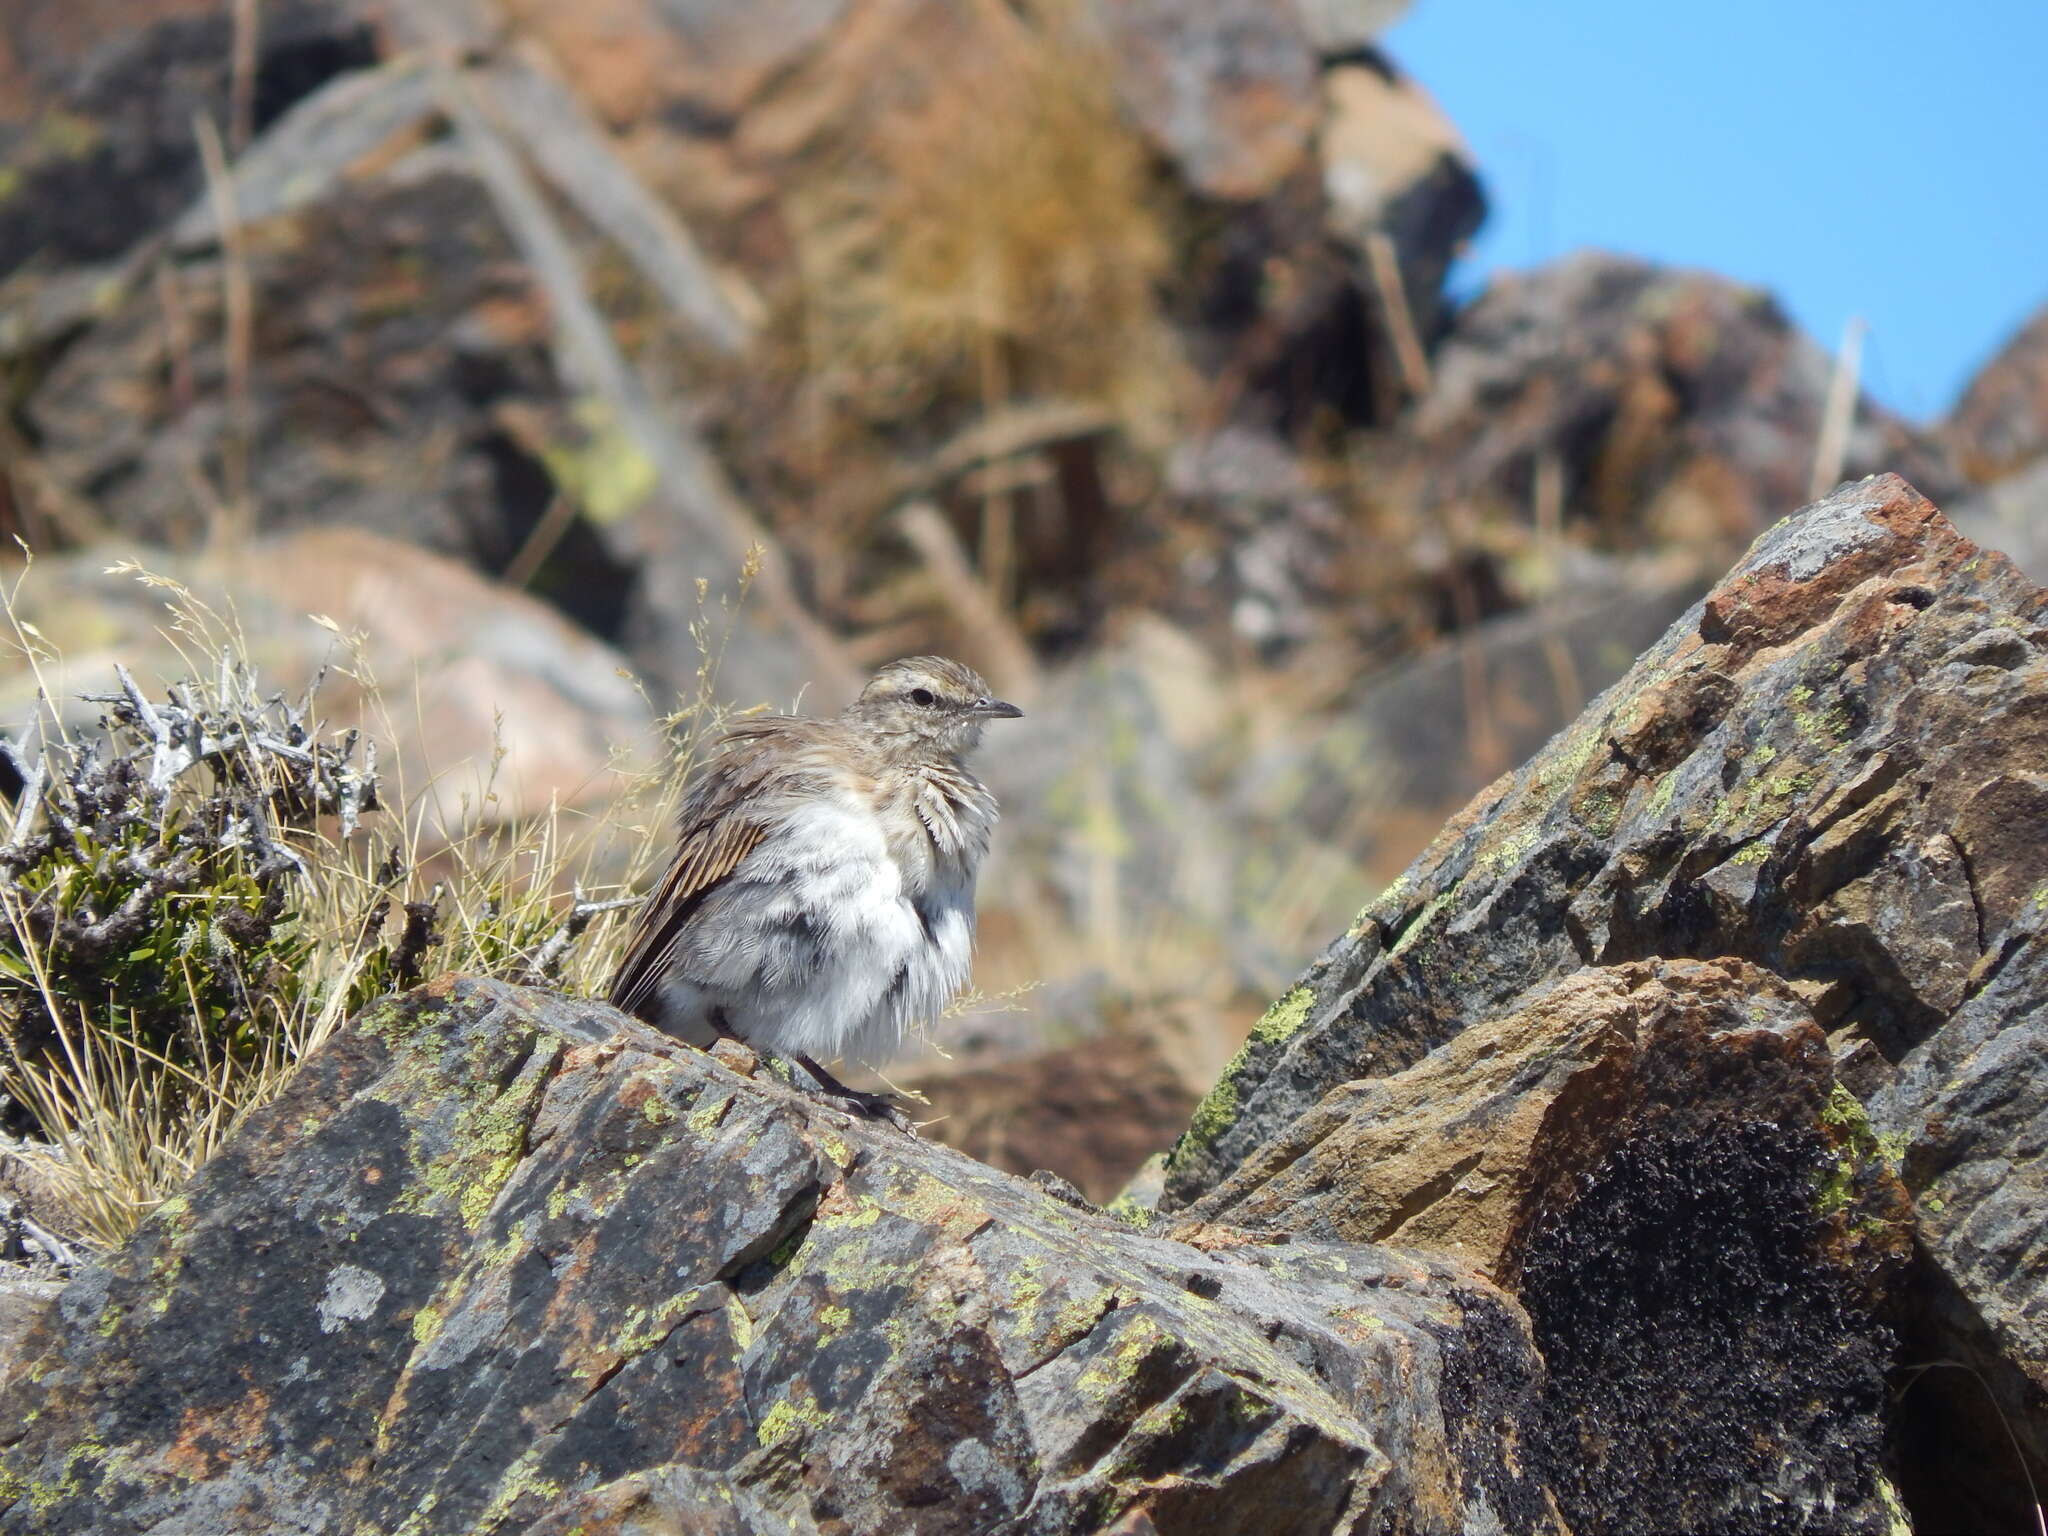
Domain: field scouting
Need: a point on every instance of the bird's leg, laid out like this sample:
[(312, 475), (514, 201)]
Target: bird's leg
[(876, 1106), (872, 1106)]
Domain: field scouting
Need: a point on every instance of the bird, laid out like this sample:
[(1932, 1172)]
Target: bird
[(821, 898)]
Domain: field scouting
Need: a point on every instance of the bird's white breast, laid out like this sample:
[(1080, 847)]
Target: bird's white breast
[(828, 939)]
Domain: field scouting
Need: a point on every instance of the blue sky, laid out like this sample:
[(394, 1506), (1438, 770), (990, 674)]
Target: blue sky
[(1875, 159)]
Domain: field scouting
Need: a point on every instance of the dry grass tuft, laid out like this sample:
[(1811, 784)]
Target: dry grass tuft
[(996, 237)]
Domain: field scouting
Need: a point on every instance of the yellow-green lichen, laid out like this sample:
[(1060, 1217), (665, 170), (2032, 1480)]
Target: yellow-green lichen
[(606, 474), (645, 1327), (1509, 851), (1107, 1373), (489, 1136), (1126, 1207), (426, 1325), (861, 1211), (1660, 797), (1382, 906), (706, 1117), (519, 1481), (1212, 1117), (790, 1417), (1218, 1109), (418, 1523), (1570, 759), (1828, 726), (1421, 922), (1857, 1146), (1785, 784), (740, 1322), (79, 1463)]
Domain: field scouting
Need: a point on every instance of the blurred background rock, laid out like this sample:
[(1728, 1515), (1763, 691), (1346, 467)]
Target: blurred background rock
[(1103, 343)]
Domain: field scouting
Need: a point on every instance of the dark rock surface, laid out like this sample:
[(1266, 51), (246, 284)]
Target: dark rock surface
[(1835, 769), (97, 103), (1634, 1149), (22, 1301), (500, 1261)]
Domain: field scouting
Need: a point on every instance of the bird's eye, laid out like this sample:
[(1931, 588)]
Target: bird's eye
[(922, 697)]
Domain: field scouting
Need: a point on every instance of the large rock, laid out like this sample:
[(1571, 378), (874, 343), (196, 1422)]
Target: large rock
[(1677, 406), (2001, 423), (97, 106), (500, 1261), (1635, 1151), (1833, 768)]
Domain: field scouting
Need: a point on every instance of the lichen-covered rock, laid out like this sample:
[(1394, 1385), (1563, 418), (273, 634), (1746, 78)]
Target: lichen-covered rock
[(499, 1261), (1655, 1155), (1834, 768)]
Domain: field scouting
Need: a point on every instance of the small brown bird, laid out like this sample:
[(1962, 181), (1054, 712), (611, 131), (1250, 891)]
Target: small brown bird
[(822, 896)]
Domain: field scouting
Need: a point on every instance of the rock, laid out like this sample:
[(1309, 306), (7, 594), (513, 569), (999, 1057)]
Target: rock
[(22, 1304), (2011, 515), (1394, 166), (502, 1261), (1679, 407), (2001, 423), (1835, 769), (400, 380), (97, 103), (1495, 1124), (1405, 747), (1268, 557), (1225, 88), (1706, 1338), (1338, 27)]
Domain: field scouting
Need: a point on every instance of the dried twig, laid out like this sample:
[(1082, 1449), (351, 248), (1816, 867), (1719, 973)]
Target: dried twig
[(239, 342), (547, 960), (1385, 265), (581, 161), (1838, 413)]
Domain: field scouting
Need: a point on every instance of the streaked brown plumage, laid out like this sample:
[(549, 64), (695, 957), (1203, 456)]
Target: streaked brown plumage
[(822, 895)]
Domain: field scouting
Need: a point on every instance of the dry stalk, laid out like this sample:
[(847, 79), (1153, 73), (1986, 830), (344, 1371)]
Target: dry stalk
[(1838, 414), (234, 519)]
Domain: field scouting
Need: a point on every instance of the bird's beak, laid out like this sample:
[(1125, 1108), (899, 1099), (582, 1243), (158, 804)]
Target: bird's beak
[(996, 709)]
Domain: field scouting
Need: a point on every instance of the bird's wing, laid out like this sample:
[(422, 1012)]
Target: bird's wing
[(720, 828)]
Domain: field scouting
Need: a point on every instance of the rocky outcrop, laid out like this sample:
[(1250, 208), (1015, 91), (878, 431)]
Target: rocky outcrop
[(1672, 406), (500, 1261), (1829, 780), (2001, 423), (403, 326), (1636, 1151)]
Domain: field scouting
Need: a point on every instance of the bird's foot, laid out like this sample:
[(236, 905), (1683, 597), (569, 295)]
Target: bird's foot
[(869, 1106)]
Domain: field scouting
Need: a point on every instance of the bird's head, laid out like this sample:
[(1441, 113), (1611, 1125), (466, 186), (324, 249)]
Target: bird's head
[(928, 703)]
